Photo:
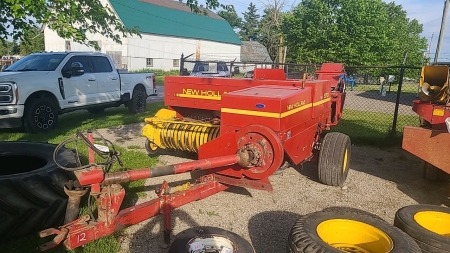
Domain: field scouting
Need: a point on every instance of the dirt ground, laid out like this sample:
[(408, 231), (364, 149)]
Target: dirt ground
[(380, 182)]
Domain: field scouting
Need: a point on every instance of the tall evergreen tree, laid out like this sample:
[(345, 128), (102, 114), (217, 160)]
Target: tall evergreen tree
[(249, 29)]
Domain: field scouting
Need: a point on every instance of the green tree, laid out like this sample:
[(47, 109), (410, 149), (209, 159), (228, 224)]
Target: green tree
[(249, 29), (69, 18), (33, 41), (8, 48), (356, 32), (232, 17), (270, 33)]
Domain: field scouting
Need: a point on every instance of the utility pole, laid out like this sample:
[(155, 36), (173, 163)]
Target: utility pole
[(441, 32), (429, 45)]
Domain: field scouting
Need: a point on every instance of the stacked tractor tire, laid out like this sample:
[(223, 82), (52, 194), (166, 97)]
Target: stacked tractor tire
[(32, 196), (417, 228)]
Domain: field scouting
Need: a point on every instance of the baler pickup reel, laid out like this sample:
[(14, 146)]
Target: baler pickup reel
[(244, 159)]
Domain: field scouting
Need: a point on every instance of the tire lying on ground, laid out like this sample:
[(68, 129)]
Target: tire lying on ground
[(211, 239), (32, 194), (429, 226), (341, 230)]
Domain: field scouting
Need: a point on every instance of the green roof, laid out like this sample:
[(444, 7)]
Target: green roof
[(155, 19)]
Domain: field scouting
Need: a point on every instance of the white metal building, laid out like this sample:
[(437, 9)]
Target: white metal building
[(168, 29)]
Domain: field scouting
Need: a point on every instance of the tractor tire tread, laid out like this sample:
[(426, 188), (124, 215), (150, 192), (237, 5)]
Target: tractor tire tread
[(35, 200), (427, 240), (303, 236), (333, 149)]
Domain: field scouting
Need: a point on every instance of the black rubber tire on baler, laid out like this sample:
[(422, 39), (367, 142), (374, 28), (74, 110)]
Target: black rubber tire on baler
[(334, 159), (428, 240), (184, 238), (305, 234), (32, 194)]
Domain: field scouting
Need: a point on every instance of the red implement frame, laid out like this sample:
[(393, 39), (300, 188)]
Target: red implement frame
[(428, 145), (109, 196)]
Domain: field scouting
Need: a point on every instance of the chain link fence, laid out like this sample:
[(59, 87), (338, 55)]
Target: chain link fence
[(378, 101)]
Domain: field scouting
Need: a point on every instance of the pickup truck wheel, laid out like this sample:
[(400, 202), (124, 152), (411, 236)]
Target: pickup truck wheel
[(138, 101), (32, 194), (41, 115), (96, 110)]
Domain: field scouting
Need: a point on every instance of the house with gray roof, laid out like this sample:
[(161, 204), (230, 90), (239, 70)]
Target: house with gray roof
[(168, 29)]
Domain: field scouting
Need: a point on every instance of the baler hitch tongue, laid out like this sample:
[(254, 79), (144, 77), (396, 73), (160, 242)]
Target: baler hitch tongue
[(61, 235)]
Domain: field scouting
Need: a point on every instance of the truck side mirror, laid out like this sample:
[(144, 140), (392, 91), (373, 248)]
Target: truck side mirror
[(77, 69)]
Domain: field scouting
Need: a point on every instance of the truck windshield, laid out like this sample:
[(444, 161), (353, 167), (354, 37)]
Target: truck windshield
[(37, 62)]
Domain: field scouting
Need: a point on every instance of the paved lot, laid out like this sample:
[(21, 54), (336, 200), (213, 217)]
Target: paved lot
[(372, 101)]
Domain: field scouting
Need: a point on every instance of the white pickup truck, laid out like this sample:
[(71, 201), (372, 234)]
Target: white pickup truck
[(39, 87)]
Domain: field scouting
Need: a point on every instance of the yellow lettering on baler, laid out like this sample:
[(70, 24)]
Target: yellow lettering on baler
[(296, 105), (200, 94)]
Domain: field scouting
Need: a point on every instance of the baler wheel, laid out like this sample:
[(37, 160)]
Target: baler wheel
[(211, 239), (344, 230), (428, 225), (151, 148), (32, 194), (334, 159)]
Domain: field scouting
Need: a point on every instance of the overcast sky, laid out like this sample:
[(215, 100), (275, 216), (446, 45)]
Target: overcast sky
[(427, 12)]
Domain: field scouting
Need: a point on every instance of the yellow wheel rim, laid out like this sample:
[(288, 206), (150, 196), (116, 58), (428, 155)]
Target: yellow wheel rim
[(345, 160), (436, 222), (153, 147), (354, 236)]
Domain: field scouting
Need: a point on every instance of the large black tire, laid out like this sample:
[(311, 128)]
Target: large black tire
[(347, 230), (32, 196), (334, 159), (435, 238), (138, 102), (188, 237), (433, 174), (96, 110), (40, 115)]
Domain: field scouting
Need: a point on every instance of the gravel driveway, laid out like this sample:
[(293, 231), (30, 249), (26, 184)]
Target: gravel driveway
[(380, 182)]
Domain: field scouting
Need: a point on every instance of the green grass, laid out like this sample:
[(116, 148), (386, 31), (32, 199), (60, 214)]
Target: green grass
[(69, 123), (372, 128), (67, 126)]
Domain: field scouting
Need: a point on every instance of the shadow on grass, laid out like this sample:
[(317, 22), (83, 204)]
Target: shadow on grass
[(82, 120)]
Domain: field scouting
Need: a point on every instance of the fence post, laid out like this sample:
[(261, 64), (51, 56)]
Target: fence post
[(397, 101), (181, 64)]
